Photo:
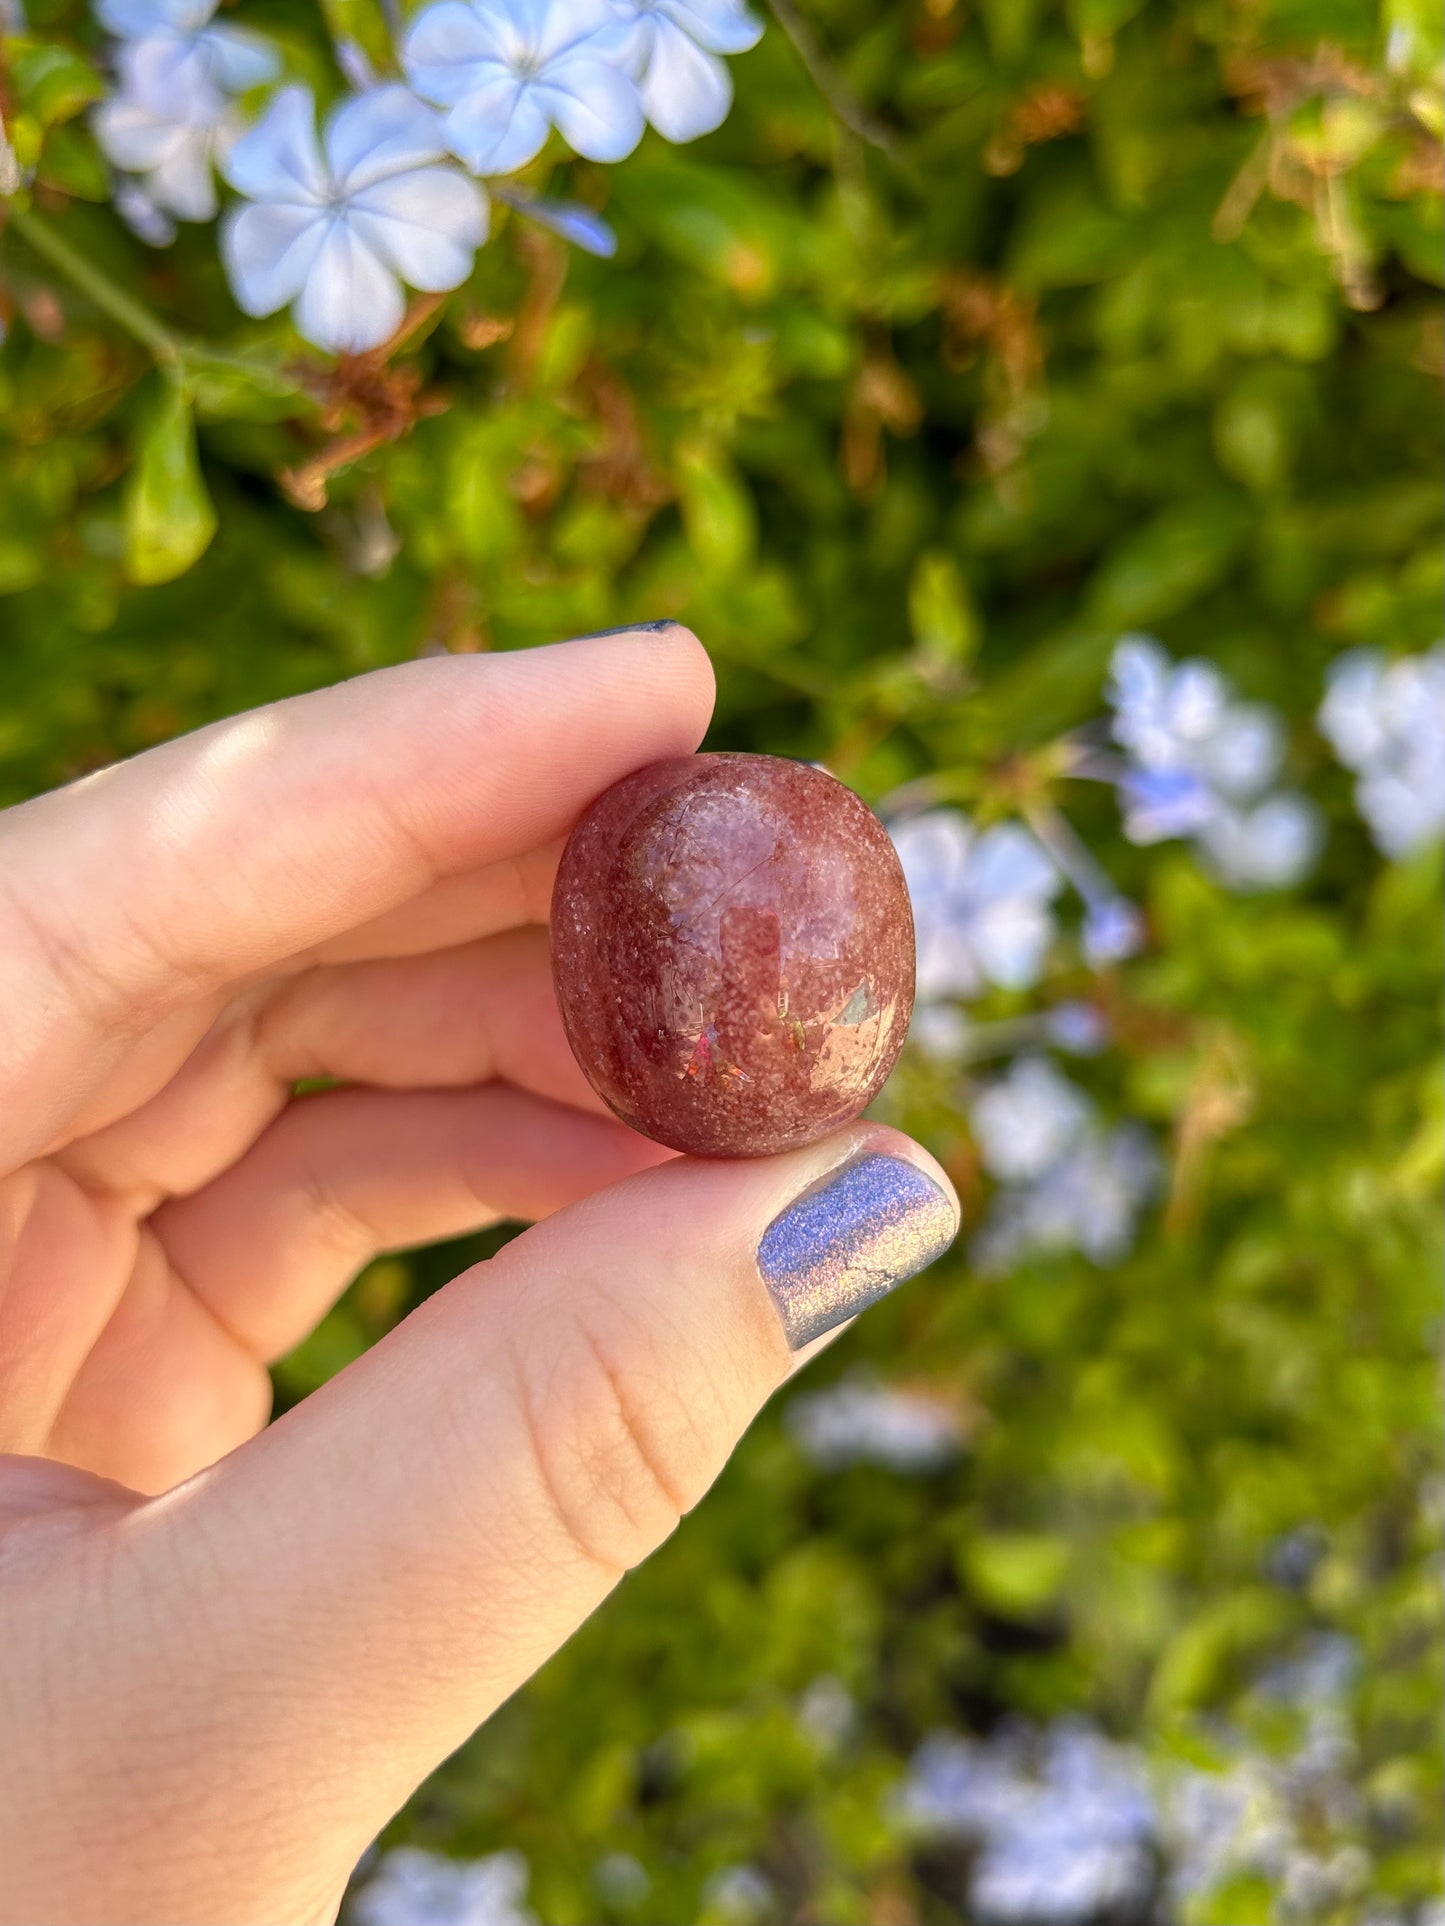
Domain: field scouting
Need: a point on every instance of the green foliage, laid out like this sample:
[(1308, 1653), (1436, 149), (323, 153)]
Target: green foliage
[(1124, 314)]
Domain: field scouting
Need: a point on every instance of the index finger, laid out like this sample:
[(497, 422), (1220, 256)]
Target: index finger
[(224, 853)]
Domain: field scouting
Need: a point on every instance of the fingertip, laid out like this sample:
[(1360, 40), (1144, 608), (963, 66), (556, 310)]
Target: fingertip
[(669, 660)]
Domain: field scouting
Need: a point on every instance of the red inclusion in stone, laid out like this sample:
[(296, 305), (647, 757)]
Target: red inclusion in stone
[(732, 946)]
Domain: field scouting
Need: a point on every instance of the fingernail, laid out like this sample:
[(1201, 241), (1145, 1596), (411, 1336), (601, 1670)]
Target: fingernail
[(628, 628), (849, 1239)]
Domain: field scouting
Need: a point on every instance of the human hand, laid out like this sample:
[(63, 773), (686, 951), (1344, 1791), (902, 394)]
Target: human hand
[(229, 1657)]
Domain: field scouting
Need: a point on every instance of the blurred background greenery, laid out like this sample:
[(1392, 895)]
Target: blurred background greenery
[(983, 331)]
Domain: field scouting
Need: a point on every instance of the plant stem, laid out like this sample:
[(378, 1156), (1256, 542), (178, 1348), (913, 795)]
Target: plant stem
[(844, 107), (97, 286)]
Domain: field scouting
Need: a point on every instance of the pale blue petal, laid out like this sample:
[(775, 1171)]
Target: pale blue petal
[(1351, 716), (183, 184), (722, 26), (1008, 861), (351, 300), (426, 225), (558, 28), (268, 252), (584, 227), (145, 220), (498, 128), (1113, 930), (1243, 756), (933, 849), (1196, 700), (377, 134), (356, 67), (1010, 938), (1161, 803), (594, 105), (171, 77), (1404, 809), (945, 963), (1271, 846), (132, 136), (279, 160), (685, 91), (140, 19), (450, 51), (238, 60), (1139, 671)]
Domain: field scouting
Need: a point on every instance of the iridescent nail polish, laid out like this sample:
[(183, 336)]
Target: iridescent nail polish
[(849, 1239)]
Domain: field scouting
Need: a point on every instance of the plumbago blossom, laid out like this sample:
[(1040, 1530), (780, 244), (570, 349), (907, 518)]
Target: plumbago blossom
[(167, 146), (684, 88), (334, 227), (179, 38), (1066, 1827), (980, 903), (858, 1421), (1066, 1181), (1386, 721), (1202, 764), (173, 116), (414, 1888), (508, 71), (1062, 1824)]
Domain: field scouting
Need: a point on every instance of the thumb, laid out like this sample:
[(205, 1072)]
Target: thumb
[(360, 1586)]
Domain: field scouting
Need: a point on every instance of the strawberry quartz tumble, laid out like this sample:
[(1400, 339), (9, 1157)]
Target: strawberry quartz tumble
[(732, 946)]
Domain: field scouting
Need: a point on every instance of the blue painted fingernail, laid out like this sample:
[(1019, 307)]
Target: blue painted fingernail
[(628, 628), (849, 1239)]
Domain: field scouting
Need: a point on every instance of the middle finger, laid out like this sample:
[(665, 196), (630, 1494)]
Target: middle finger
[(442, 1020)]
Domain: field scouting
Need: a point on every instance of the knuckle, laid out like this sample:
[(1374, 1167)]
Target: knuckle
[(621, 1451)]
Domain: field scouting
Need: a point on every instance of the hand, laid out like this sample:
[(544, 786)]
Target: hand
[(229, 1657)]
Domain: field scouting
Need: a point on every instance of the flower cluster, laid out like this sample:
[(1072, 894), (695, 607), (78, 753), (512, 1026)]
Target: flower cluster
[(335, 227), (857, 1421), (174, 114), (1062, 1824), (1386, 721), (1201, 764), (414, 1888), (1066, 1180)]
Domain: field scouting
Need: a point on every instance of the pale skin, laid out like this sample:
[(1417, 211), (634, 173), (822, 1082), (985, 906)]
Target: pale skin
[(231, 1651)]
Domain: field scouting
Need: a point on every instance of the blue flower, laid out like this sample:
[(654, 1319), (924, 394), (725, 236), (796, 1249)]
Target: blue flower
[(173, 44), (685, 89), (415, 1888), (1199, 764), (1386, 721), (1113, 929), (335, 227), (856, 1421), (1269, 846), (507, 71), (169, 140), (1063, 1826), (980, 903), (1066, 1182), (1026, 1121)]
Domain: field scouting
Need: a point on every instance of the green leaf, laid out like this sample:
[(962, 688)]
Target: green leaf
[(53, 83), (941, 609), (1170, 561), (72, 162), (169, 520), (1017, 1574), (717, 511)]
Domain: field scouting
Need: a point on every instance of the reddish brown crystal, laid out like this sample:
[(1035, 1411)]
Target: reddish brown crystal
[(733, 951)]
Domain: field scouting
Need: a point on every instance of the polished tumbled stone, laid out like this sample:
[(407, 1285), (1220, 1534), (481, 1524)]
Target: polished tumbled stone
[(732, 946)]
